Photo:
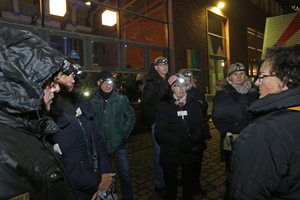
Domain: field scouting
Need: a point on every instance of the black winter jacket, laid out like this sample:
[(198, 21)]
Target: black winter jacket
[(229, 108), (155, 88), (28, 164), (266, 156), (75, 138), (170, 129)]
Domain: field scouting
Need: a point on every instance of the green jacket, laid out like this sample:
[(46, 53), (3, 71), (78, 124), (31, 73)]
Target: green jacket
[(115, 119)]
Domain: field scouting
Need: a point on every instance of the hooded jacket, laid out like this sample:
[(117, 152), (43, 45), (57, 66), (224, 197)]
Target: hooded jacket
[(229, 108), (155, 88), (266, 155), (29, 168), (115, 118)]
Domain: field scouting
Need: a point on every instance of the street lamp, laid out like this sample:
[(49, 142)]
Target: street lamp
[(221, 5), (109, 18), (58, 7)]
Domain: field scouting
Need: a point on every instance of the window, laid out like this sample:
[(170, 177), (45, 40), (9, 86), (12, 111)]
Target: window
[(255, 44), (217, 48)]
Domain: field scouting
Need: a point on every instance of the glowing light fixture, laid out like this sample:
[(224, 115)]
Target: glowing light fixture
[(88, 3), (221, 5), (109, 18), (58, 7)]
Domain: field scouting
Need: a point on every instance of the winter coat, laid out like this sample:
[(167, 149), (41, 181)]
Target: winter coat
[(28, 164), (115, 119), (170, 129), (201, 99), (75, 139), (229, 108), (155, 88), (266, 155)]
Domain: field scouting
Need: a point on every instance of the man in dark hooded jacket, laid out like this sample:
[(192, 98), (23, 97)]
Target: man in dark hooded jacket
[(156, 86), (29, 168)]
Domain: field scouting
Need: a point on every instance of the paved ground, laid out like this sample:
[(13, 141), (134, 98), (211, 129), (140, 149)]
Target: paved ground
[(141, 162)]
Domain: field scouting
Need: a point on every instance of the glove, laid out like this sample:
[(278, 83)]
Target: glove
[(186, 145)]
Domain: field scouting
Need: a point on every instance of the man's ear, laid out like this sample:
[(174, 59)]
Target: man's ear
[(99, 81), (155, 67)]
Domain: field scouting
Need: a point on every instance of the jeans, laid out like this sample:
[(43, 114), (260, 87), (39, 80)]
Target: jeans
[(122, 161), (158, 171)]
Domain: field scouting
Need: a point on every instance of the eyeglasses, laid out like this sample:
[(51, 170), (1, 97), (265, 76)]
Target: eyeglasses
[(261, 76)]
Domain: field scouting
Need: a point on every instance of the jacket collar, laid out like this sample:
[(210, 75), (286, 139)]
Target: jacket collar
[(273, 102), (36, 127)]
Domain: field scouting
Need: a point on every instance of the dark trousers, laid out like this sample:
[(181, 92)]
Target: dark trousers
[(171, 180), (198, 172)]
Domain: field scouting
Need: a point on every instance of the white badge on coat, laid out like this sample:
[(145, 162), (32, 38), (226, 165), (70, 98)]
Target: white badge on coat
[(181, 113)]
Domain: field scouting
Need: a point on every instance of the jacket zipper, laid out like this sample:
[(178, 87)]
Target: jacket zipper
[(87, 143)]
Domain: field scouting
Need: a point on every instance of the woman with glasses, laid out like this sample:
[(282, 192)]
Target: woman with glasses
[(229, 107), (179, 126), (191, 88)]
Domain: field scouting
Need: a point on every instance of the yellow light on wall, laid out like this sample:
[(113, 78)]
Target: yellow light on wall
[(221, 5), (58, 7), (109, 18)]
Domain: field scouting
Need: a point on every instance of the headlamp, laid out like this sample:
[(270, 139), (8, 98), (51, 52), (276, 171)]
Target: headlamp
[(163, 61), (108, 81), (180, 80), (187, 74), (68, 68)]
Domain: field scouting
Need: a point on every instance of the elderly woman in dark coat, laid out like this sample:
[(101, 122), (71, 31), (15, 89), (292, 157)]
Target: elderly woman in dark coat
[(229, 106), (179, 127)]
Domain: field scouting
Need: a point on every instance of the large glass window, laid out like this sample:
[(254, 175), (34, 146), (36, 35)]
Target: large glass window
[(255, 44), (68, 46), (217, 48), (134, 57), (138, 29), (104, 54)]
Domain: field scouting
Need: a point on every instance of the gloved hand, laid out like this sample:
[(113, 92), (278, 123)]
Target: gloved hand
[(186, 145)]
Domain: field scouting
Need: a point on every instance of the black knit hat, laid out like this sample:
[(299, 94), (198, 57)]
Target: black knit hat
[(104, 75)]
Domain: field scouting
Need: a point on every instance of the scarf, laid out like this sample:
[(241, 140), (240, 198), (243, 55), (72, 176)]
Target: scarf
[(180, 102), (243, 89)]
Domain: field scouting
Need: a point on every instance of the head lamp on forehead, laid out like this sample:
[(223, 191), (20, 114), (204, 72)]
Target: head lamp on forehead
[(109, 81), (162, 61), (179, 80), (236, 68), (68, 68), (187, 74)]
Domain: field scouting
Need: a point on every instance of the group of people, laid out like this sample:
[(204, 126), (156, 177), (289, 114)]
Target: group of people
[(58, 146), (175, 111), (55, 144)]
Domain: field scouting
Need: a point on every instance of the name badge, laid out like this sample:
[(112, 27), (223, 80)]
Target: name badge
[(181, 113)]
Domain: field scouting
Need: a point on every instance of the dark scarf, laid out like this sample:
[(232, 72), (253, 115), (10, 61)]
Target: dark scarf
[(66, 101), (104, 94)]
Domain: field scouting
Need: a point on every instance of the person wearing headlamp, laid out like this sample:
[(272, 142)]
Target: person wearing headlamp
[(191, 88), (179, 127), (115, 118), (78, 141), (229, 107)]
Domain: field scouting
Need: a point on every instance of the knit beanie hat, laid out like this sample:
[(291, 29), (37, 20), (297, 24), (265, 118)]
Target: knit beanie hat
[(236, 67), (104, 75)]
